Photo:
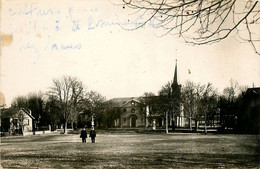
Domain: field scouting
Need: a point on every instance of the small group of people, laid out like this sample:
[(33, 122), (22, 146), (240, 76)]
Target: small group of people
[(84, 135)]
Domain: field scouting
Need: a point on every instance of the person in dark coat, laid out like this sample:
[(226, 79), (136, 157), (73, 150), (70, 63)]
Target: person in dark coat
[(92, 134), (83, 135)]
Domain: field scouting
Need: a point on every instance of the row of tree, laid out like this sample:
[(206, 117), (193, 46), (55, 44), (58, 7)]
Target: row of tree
[(201, 103), (65, 101), (69, 102)]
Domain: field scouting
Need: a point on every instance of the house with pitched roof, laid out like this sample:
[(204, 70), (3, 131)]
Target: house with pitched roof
[(15, 120)]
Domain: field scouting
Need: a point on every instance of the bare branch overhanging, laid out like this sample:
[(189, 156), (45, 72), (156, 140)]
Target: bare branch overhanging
[(201, 22)]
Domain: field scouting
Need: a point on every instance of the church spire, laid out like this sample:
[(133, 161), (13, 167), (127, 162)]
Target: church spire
[(175, 74)]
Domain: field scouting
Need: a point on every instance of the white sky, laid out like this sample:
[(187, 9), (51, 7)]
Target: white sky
[(111, 60)]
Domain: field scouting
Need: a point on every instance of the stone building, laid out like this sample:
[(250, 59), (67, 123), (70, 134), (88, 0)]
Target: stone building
[(150, 111)]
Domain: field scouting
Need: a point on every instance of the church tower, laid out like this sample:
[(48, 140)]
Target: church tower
[(175, 97)]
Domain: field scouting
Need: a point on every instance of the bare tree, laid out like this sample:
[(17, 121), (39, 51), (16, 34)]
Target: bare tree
[(149, 102), (191, 97), (201, 21), (20, 102), (230, 104), (21, 118), (198, 101), (148, 94), (95, 104), (69, 91), (189, 100), (166, 103), (231, 91), (207, 102)]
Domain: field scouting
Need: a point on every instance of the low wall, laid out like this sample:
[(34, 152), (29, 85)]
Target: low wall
[(27, 133), (44, 132)]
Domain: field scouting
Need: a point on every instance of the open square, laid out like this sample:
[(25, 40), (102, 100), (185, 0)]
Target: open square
[(131, 150)]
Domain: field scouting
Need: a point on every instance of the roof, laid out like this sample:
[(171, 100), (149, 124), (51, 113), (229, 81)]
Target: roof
[(28, 112), (255, 90), (9, 112), (124, 100), (121, 100)]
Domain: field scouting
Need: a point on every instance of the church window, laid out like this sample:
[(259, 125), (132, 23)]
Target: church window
[(132, 110)]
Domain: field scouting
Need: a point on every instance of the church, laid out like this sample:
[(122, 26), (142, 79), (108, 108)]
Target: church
[(150, 111)]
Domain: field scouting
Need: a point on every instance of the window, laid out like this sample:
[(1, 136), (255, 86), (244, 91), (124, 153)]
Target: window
[(28, 122), (124, 110), (133, 103), (15, 122), (132, 110), (124, 120)]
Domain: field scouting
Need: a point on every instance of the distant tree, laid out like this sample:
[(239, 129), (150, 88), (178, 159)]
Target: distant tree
[(69, 91), (149, 103), (148, 94), (199, 101), (165, 88), (110, 112), (230, 103), (208, 103), (20, 102), (231, 92), (201, 21), (190, 98), (165, 103), (52, 112), (36, 104), (95, 105)]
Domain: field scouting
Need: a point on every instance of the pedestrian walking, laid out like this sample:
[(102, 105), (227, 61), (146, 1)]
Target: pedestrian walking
[(83, 135), (92, 134)]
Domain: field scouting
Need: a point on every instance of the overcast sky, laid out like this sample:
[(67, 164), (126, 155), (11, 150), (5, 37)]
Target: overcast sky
[(86, 39)]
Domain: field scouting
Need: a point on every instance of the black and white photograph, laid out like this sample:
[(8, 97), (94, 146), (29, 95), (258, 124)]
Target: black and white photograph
[(130, 84)]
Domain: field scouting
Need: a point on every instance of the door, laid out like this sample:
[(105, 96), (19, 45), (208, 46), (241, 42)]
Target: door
[(133, 121)]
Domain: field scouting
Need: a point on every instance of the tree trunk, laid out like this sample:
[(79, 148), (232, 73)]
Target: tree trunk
[(196, 125), (190, 123), (166, 127), (205, 126), (72, 125), (65, 127), (173, 127), (146, 122), (22, 130)]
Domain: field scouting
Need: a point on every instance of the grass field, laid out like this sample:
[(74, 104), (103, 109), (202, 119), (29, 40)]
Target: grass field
[(131, 150)]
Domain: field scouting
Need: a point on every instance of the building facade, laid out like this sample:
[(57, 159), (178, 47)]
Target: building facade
[(151, 111), (15, 120)]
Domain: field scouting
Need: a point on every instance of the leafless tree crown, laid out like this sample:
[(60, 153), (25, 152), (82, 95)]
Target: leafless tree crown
[(202, 21)]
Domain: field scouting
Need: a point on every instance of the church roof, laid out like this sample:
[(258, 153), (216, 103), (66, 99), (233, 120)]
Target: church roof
[(124, 100)]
